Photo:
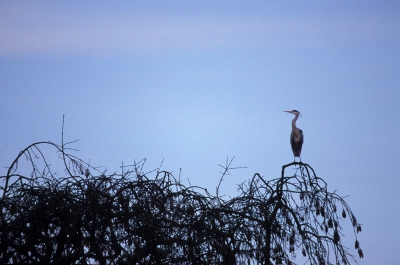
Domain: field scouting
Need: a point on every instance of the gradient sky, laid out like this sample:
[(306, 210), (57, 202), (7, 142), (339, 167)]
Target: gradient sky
[(195, 82)]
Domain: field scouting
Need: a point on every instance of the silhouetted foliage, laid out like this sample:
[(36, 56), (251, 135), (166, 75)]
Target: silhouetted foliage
[(89, 217)]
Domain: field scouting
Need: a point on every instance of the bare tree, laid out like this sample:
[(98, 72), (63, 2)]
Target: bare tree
[(88, 217)]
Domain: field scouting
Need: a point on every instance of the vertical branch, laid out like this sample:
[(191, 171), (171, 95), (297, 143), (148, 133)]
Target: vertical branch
[(62, 148)]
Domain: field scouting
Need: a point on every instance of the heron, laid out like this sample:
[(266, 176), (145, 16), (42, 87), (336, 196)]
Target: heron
[(296, 137)]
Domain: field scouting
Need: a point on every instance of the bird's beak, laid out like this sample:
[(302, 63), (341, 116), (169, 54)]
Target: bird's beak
[(288, 111)]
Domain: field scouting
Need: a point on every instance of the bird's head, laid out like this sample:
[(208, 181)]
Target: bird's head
[(295, 112)]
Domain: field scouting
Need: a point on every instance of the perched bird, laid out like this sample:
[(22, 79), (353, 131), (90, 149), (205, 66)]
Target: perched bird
[(296, 137)]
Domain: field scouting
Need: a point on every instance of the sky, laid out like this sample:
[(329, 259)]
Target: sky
[(190, 84)]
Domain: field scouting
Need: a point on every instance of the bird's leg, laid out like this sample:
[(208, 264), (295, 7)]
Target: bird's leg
[(294, 159)]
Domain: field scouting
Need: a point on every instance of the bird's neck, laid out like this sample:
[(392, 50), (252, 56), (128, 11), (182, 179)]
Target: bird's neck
[(294, 122)]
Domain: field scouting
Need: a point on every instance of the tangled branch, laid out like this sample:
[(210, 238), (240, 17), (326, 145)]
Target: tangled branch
[(88, 217)]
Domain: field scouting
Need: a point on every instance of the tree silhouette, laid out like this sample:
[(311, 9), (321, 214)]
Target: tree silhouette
[(88, 217)]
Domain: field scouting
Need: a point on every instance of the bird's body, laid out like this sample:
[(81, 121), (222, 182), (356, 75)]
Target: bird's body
[(296, 136)]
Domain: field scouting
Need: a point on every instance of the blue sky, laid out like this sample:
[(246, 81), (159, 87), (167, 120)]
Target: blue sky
[(195, 82)]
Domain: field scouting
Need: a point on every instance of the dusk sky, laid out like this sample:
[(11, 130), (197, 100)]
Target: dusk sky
[(191, 83)]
